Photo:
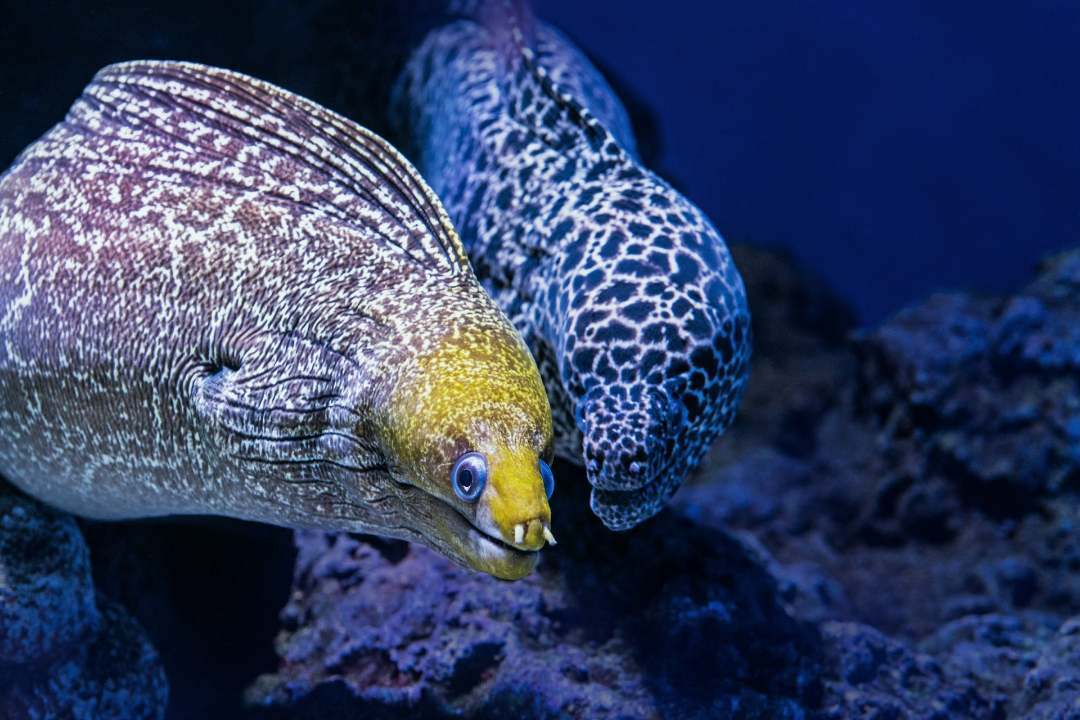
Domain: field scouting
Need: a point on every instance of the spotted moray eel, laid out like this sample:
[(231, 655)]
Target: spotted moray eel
[(623, 289)]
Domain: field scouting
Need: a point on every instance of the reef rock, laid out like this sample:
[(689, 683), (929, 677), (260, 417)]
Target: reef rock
[(1029, 662), (889, 531), (64, 652), (673, 620), (872, 677), (46, 592)]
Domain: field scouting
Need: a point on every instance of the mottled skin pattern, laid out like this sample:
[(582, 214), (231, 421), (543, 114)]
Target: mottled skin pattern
[(217, 297), (623, 289)]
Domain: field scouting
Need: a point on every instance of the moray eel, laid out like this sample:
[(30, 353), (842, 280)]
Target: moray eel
[(623, 289), (217, 297)]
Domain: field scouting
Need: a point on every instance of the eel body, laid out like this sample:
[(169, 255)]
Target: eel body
[(217, 297), (623, 289)]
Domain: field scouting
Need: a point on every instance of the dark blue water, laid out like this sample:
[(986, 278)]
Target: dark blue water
[(897, 147)]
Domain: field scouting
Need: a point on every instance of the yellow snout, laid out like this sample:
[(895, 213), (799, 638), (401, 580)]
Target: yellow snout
[(515, 501)]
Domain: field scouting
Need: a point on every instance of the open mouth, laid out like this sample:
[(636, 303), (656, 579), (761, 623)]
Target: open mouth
[(491, 549), (496, 544), (440, 526)]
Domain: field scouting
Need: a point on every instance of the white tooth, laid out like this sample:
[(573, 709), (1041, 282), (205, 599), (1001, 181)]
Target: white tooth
[(519, 533), (549, 537)]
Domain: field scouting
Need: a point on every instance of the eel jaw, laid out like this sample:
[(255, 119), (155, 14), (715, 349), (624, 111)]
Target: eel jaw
[(481, 550), (439, 525), (499, 559)]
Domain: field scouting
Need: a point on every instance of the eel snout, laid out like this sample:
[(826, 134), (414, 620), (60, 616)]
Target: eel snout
[(533, 534), (624, 440)]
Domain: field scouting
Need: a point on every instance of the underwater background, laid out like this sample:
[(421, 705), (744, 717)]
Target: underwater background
[(895, 149), (889, 530)]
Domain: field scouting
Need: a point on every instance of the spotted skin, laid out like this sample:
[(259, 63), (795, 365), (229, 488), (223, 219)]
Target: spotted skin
[(623, 289), (217, 297)]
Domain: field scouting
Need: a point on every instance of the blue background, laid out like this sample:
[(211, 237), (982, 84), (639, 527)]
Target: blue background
[(898, 147)]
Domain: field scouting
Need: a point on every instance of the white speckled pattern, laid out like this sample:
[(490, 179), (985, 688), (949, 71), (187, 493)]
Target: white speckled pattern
[(209, 288), (623, 288)]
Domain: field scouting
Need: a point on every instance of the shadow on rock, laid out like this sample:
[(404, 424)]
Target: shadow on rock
[(673, 619)]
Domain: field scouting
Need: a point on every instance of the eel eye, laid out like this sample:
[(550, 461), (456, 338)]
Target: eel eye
[(549, 478), (469, 476)]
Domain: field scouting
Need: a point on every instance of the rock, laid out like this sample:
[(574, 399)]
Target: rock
[(64, 652), (673, 620), (116, 676), (1031, 661), (983, 394), (943, 481), (876, 677), (46, 593)]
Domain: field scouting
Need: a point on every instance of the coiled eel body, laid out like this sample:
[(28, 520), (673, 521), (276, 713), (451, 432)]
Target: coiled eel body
[(217, 297), (622, 288)]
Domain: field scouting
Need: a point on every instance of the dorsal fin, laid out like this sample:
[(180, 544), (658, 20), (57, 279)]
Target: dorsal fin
[(238, 131), (522, 44), (510, 22)]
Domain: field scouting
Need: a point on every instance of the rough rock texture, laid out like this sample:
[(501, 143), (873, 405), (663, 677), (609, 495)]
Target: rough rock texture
[(675, 620), (1029, 662), (46, 594), (939, 504), (64, 652), (892, 530), (944, 477), (872, 676)]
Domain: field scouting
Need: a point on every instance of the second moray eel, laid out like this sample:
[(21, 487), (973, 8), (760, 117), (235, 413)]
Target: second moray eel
[(217, 297), (623, 289)]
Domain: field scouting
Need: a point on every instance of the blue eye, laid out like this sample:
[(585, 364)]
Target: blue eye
[(469, 476), (549, 478)]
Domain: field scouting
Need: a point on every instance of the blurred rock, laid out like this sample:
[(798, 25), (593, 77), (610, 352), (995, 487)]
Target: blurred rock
[(876, 677), (1029, 661), (65, 653), (117, 675), (944, 477), (46, 594), (800, 356)]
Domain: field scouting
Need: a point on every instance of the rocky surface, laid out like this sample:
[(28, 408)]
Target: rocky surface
[(65, 652), (944, 478), (891, 531), (676, 620)]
